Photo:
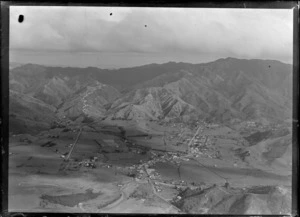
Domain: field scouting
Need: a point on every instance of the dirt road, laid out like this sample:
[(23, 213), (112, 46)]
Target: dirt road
[(122, 198)]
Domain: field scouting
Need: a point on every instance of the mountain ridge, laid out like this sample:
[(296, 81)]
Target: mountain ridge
[(218, 91)]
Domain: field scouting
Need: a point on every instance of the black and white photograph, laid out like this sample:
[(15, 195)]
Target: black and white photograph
[(156, 110)]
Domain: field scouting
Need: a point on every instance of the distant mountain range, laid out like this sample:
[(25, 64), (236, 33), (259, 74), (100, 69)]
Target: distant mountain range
[(223, 90), (13, 65)]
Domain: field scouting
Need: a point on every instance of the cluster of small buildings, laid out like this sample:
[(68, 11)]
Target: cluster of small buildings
[(171, 157), (90, 163), (250, 124), (76, 165), (179, 182), (144, 173), (144, 169), (106, 166), (136, 151), (201, 140), (203, 146)]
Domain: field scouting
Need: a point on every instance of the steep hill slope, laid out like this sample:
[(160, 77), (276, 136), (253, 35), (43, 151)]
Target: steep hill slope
[(217, 91), (150, 103), (224, 89), (274, 152), (220, 200), (89, 101), (28, 114)]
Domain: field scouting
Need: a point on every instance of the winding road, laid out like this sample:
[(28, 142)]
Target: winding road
[(90, 91), (156, 194), (190, 143), (122, 198)]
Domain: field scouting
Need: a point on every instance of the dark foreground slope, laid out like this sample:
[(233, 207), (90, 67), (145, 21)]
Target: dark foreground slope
[(220, 200)]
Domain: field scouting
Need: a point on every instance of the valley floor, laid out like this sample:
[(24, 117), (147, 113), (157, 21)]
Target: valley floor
[(140, 167)]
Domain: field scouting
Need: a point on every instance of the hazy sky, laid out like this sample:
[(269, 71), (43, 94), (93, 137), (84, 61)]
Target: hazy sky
[(120, 37)]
